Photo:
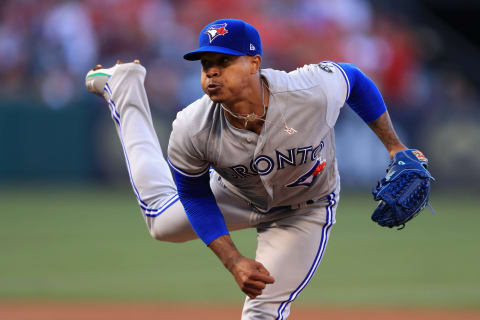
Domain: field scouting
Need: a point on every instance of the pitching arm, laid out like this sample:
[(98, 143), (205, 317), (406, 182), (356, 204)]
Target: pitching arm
[(207, 221)]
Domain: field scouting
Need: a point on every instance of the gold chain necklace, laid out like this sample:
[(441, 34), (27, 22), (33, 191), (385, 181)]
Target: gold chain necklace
[(253, 116)]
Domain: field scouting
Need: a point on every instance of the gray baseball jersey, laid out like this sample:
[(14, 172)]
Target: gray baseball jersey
[(278, 167)]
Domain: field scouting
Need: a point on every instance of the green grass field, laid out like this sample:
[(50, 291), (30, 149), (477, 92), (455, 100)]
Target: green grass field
[(91, 243)]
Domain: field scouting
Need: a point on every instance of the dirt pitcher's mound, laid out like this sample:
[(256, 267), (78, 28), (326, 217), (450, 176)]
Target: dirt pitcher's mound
[(123, 311)]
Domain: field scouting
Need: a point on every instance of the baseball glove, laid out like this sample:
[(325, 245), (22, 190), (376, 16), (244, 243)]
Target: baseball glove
[(404, 190)]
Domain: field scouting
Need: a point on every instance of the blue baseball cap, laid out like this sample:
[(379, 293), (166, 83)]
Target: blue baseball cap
[(228, 36)]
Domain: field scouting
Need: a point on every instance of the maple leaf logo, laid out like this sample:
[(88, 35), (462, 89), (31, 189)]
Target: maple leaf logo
[(221, 31)]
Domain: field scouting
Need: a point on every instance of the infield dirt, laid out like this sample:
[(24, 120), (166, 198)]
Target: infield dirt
[(124, 311)]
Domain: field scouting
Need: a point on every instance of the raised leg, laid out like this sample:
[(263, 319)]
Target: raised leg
[(123, 88)]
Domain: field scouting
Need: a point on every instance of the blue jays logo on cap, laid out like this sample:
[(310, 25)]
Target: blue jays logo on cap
[(228, 36), (216, 30)]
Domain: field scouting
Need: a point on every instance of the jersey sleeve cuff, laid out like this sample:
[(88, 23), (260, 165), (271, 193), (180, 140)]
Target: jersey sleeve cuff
[(187, 174)]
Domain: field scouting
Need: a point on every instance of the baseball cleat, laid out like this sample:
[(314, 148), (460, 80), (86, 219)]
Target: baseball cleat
[(97, 78)]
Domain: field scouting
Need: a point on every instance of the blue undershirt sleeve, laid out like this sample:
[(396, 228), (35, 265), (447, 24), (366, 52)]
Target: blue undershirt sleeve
[(365, 98), (200, 205)]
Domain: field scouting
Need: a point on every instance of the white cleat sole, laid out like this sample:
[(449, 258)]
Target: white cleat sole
[(97, 78)]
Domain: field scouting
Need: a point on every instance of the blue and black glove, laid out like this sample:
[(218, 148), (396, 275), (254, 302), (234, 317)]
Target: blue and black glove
[(404, 191)]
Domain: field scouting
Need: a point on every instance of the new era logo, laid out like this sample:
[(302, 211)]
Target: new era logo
[(252, 47)]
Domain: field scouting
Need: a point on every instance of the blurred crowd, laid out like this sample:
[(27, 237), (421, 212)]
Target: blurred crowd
[(46, 48)]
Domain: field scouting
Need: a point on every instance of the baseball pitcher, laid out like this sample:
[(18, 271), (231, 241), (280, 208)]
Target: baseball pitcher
[(256, 151)]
